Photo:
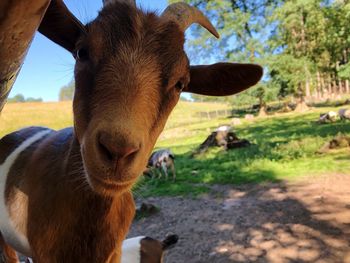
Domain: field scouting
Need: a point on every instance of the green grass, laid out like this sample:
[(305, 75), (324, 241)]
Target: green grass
[(284, 146)]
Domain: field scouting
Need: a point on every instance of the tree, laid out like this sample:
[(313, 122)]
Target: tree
[(312, 34), (302, 44), (67, 92), (30, 99), (17, 98), (242, 25), (260, 94)]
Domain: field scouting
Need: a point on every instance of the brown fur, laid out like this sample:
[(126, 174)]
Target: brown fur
[(130, 71), (76, 228), (151, 251), (7, 254), (119, 104)]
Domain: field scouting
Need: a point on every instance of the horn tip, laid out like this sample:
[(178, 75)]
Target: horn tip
[(214, 32)]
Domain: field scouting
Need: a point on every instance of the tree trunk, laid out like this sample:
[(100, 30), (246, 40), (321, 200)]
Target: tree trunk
[(307, 88), (301, 103), (262, 111), (341, 89), (330, 88), (19, 19), (334, 88), (323, 89), (319, 86)]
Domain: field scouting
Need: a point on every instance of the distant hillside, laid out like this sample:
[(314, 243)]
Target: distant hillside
[(58, 115)]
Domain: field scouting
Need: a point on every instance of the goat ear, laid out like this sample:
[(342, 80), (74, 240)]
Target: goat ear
[(61, 26), (223, 79), (169, 241)]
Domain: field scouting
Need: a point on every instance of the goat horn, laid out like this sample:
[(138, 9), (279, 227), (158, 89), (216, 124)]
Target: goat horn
[(185, 15), (107, 2)]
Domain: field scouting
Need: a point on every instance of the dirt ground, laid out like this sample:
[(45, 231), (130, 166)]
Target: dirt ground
[(304, 221)]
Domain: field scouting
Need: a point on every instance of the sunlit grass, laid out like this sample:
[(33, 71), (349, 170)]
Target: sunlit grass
[(18, 115), (284, 146), (59, 115)]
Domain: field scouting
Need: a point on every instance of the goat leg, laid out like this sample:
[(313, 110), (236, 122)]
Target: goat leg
[(165, 170), (172, 167)]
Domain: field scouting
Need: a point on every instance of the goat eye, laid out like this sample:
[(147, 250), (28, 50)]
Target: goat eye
[(82, 54), (180, 85)]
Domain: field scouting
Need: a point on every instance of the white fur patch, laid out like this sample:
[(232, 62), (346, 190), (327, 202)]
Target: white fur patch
[(224, 128), (11, 235), (131, 250)]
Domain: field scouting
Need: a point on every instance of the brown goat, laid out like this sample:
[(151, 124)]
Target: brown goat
[(65, 195)]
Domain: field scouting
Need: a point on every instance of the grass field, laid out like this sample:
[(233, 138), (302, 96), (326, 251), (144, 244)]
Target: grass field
[(284, 146), (58, 115)]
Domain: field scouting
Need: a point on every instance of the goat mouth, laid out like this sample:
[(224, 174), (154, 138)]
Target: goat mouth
[(108, 186)]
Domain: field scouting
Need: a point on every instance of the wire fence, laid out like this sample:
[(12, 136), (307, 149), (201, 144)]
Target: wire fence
[(209, 115)]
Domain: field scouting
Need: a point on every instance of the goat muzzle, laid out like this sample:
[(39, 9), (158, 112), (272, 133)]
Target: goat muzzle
[(113, 149)]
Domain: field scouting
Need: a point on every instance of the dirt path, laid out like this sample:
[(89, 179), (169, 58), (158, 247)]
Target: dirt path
[(307, 221)]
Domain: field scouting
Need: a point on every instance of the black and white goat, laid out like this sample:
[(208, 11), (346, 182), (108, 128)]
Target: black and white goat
[(142, 249), (160, 161), (344, 114)]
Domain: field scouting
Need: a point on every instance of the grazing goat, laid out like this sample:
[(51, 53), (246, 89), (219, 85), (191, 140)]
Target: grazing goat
[(160, 161), (330, 116), (221, 134), (65, 196), (344, 114)]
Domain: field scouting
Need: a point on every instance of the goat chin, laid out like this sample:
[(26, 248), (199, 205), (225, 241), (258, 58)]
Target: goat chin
[(109, 188)]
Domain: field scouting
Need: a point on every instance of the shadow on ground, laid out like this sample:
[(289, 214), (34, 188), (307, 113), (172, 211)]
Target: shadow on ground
[(307, 221)]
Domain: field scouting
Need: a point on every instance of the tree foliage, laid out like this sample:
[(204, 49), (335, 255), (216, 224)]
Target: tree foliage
[(19, 98), (67, 92), (302, 44)]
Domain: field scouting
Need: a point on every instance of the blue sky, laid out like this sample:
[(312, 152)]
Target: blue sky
[(48, 67)]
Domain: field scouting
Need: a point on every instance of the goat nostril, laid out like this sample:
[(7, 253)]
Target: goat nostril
[(113, 150), (124, 152), (106, 152)]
